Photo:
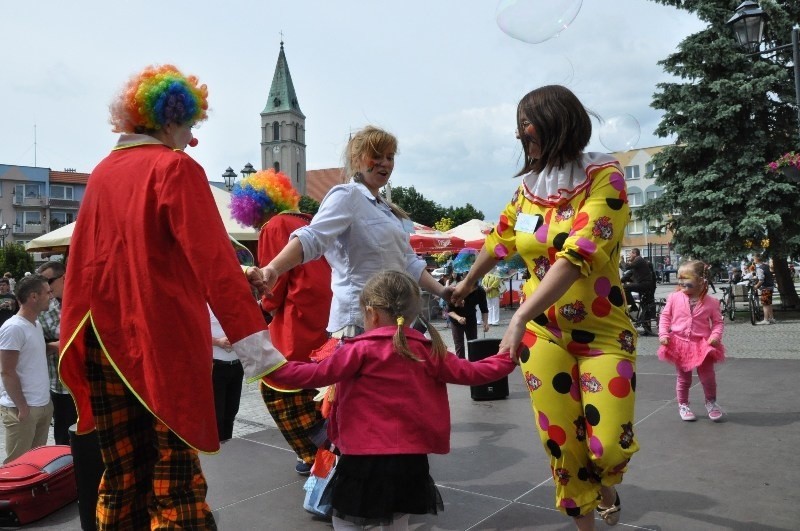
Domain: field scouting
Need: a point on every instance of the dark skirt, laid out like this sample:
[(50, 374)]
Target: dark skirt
[(372, 489)]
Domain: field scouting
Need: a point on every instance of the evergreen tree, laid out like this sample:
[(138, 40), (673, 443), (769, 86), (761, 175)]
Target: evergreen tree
[(308, 205), (731, 114)]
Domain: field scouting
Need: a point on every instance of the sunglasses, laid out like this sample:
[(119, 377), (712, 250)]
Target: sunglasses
[(51, 280), (687, 285)]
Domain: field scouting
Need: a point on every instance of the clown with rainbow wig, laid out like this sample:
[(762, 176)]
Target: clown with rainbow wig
[(299, 302), (148, 256)]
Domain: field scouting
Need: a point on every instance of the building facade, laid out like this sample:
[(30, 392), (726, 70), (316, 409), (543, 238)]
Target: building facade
[(650, 236), (35, 201)]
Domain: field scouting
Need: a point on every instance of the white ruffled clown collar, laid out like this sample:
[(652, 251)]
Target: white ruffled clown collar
[(555, 186)]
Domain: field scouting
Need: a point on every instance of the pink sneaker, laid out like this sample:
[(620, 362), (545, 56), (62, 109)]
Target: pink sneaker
[(686, 413), (714, 411)]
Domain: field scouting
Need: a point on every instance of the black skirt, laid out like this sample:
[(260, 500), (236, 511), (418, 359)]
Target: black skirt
[(372, 489)]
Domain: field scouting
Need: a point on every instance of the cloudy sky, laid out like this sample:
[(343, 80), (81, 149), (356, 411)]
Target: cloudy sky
[(440, 74)]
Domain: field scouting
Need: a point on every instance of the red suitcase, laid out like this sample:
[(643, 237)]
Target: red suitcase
[(37, 483)]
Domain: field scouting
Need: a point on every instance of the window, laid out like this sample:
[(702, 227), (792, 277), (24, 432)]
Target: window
[(635, 199), (26, 190), (631, 172), (635, 226), (297, 132), (29, 217), (276, 165), (59, 191), (650, 170), (653, 195), (60, 218), (298, 172), (276, 131)]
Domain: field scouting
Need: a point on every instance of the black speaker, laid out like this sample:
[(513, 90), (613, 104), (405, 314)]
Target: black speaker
[(478, 349)]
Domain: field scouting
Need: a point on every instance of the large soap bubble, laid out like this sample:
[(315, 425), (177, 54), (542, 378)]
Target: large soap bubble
[(536, 21), (464, 260), (620, 133)]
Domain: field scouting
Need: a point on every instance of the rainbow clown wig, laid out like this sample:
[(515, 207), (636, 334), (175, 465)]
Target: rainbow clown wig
[(157, 96), (257, 197)]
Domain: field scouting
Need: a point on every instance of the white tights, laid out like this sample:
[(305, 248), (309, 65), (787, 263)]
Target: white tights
[(400, 523)]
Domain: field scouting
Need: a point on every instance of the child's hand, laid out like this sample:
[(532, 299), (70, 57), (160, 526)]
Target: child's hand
[(663, 340), (713, 342)]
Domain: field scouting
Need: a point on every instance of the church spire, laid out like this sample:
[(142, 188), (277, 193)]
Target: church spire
[(282, 97)]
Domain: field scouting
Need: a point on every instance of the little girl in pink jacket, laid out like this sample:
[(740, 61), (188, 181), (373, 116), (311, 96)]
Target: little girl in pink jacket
[(690, 333), (390, 408)]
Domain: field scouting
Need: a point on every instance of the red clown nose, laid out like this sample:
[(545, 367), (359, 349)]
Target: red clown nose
[(193, 142)]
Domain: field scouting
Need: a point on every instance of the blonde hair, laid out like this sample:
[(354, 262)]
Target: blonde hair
[(369, 142), (699, 270), (397, 294)]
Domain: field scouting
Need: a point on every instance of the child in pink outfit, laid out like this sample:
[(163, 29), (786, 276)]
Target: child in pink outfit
[(690, 333), (390, 408)]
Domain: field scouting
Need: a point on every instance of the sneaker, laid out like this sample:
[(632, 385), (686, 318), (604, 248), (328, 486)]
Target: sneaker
[(772, 321), (714, 411), (686, 413), (302, 468), (765, 322)]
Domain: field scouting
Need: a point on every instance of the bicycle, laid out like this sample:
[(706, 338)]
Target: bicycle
[(728, 303), (647, 314), (754, 304)]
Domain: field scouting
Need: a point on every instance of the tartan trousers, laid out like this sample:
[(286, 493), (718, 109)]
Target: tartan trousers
[(152, 479), (295, 414)]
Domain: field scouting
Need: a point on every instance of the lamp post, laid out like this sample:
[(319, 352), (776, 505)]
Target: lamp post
[(247, 171), (5, 230), (230, 178), (748, 27)]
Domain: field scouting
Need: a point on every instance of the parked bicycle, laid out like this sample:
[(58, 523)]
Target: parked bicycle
[(754, 303), (728, 302), (647, 313)]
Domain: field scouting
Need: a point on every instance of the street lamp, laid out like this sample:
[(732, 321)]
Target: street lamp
[(748, 26), (247, 171), (5, 230), (230, 178)]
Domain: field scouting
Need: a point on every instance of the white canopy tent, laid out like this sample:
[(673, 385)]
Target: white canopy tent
[(59, 239)]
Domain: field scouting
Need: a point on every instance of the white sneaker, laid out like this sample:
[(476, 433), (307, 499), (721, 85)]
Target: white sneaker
[(772, 321), (765, 322), (686, 413), (714, 411)]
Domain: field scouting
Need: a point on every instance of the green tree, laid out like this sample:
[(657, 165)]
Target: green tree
[(14, 258), (308, 205), (461, 215), (731, 114), (420, 209), (444, 225)]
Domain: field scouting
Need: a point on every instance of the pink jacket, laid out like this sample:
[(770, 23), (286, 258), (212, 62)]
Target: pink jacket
[(385, 403), (678, 318)]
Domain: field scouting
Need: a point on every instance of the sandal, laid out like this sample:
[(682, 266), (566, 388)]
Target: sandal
[(610, 515)]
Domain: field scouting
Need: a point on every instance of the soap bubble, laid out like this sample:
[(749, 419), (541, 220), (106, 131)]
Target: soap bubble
[(511, 266), (620, 133), (536, 21), (464, 260)]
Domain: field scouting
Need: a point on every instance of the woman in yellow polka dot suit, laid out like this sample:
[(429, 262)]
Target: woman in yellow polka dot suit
[(567, 220)]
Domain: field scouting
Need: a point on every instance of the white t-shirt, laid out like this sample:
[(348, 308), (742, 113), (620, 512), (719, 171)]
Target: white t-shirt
[(216, 331), (20, 334)]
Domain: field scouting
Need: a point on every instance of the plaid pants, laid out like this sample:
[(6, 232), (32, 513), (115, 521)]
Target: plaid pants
[(152, 479), (295, 414)]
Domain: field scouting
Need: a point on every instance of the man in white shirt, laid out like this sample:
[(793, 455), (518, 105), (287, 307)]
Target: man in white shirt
[(25, 405)]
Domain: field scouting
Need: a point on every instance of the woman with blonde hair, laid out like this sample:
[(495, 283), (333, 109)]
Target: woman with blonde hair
[(359, 233)]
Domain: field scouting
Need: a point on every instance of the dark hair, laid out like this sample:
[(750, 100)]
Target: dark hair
[(57, 267), (5, 281), (562, 125), (29, 285)]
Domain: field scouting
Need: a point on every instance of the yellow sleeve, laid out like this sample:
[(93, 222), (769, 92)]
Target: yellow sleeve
[(599, 223), (501, 242)]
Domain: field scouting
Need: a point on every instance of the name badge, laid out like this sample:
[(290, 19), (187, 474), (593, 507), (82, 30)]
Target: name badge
[(528, 223), (408, 225)]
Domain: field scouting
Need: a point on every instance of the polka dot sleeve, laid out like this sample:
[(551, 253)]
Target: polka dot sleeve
[(501, 242), (600, 222)]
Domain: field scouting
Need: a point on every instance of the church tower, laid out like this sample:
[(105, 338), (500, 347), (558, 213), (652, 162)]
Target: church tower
[(283, 128)]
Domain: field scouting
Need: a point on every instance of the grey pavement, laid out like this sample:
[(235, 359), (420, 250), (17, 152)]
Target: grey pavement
[(737, 474)]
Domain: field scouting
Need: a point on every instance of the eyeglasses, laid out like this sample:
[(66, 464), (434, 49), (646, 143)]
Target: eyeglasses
[(51, 280), (687, 285)]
